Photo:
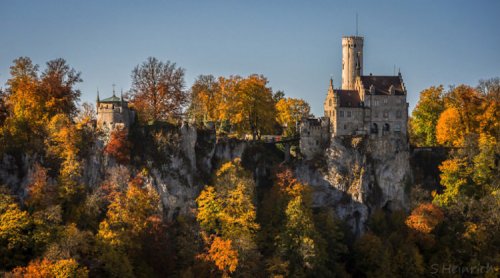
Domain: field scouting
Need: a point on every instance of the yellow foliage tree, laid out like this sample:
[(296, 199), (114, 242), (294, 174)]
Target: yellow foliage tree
[(289, 111), (15, 225), (226, 210), (255, 110), (132, 217), (454, 178)]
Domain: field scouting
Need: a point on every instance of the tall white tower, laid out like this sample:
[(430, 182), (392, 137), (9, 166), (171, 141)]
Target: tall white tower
[(352, 60)]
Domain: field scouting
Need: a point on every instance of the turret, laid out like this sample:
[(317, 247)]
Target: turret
[(352, 60)]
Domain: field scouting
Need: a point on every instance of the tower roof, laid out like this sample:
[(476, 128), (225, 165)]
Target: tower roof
[(111, 99)]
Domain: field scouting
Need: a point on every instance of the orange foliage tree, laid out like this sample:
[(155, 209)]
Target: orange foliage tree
[(223, 255), (118, 146), (450, 130), (425, 218), (51, 269)]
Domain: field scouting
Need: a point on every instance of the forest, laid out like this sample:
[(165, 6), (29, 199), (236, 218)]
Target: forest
[(56, 225)]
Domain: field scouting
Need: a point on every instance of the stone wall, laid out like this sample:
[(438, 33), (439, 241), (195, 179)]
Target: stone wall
[(314, 136)]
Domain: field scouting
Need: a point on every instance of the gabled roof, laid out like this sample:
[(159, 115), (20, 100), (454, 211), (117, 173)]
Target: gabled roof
[(111, 99), (382, 84), (349, 98)]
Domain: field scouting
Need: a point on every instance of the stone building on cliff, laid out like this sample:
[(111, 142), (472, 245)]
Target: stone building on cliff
[(371, 105), (113, 113)]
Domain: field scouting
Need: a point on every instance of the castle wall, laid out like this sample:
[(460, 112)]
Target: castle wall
[(387, 112), (349, 121), (314, 136)]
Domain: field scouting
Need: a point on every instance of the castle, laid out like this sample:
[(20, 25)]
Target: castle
[(364, 105), (113, 113)]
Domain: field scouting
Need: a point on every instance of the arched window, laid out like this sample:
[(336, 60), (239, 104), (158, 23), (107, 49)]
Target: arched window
[(374, 128), (387, 127)]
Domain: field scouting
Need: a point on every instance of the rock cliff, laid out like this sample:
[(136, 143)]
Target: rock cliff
[(358, 175), (355, 176)]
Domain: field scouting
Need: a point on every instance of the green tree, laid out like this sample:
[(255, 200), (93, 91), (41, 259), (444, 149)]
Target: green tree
[(425, 116)]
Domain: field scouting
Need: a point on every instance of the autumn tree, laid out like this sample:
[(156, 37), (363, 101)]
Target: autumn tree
[(467, 101), (450, 130), (131, 218), (205, 99), (42, 192), (15, 226), (158, 90), (425, 218), (223, 255), (255, 110), (51, 269), (57, 87), (23, 126), (300, 249), (425, 116), (63, 144), (226, 211), (289, 111), (118, 146)]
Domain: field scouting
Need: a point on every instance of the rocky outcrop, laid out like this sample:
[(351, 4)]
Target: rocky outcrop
[(358, 175)]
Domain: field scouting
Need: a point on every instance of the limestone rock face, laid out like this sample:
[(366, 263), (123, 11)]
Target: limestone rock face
[(358, 175)]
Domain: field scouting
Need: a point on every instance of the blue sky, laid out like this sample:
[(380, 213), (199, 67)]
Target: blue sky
[(296, 44)]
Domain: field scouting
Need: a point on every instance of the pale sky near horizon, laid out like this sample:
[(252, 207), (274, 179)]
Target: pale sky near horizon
[(295, 44)]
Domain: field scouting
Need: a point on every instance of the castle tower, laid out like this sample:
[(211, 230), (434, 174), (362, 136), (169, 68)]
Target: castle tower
[(352, 60)]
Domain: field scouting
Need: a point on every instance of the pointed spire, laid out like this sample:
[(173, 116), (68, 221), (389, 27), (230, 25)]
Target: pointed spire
[(331, 82), (98, 95), (114, 90)]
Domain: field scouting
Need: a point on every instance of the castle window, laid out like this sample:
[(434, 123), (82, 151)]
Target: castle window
[(330, 101), (342, 114), (376, 102), (349, 114), (386, 114), (376, 114), (386, 100), (397, 128), (399, 115), (345, 126)]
